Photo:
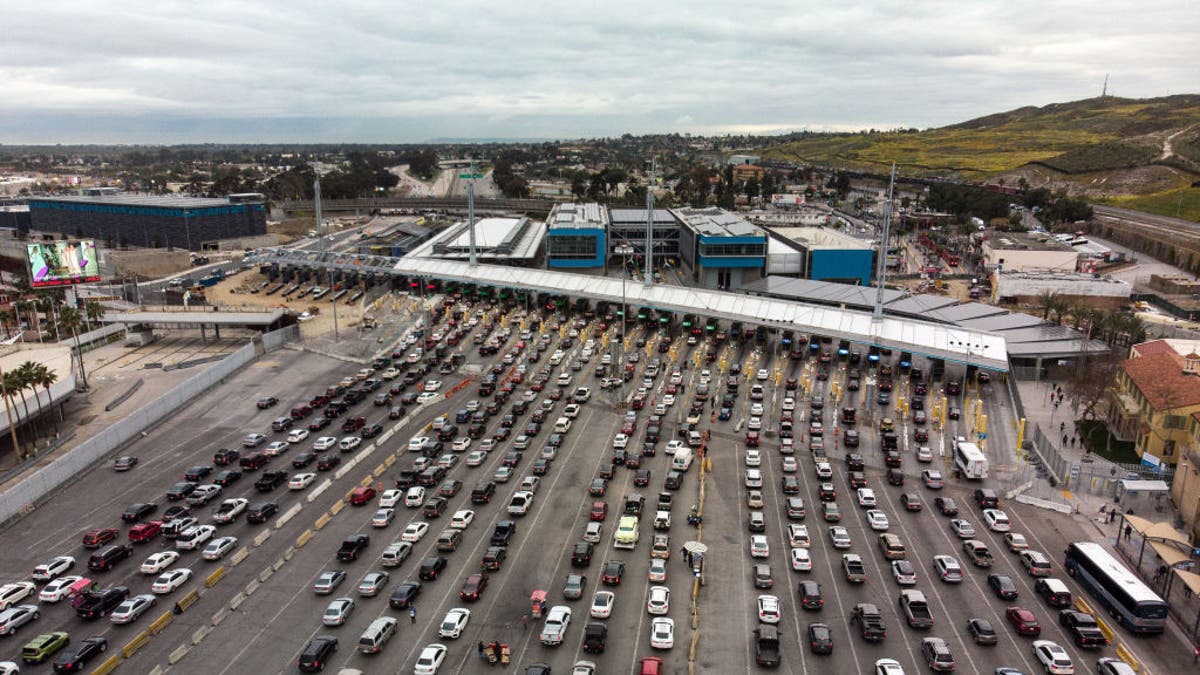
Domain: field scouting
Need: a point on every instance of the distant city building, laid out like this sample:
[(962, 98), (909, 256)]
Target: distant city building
[(1026, 252), (743, 159), (550, 190), (745, 172), (11, 185), (148, 220), (721, 250), (829, 255), (1028, 287), (576, 236)]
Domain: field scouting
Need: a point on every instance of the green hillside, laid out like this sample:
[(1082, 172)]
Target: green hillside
[(1080, 137)]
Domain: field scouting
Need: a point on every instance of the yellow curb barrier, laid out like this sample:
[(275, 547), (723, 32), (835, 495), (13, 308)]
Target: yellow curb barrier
[(337, 508), (389, 461), (188, 600), (379, 470), (366, 481), (161, 622), (135, 644), (110, 664), (1127, 656), (322, 521), (303, 538)]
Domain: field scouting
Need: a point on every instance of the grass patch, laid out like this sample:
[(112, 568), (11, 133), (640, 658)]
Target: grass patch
[(1087, 135), (1095, 436), (1182, 203)]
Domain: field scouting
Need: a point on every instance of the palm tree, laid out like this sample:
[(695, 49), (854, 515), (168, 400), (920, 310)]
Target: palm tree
[(30, 308), (28, 373), (11, 382), (46, 378), (72, 320), (45, 304), (1049, 301), (93, 310)]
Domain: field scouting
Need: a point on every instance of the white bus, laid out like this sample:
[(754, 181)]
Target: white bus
[(1116, 588), (970, 460)]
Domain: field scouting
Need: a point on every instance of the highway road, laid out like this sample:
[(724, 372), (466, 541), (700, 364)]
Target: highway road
[(267, 630)]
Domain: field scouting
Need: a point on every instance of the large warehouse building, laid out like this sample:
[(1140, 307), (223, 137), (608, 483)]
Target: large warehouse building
[(150, 220)]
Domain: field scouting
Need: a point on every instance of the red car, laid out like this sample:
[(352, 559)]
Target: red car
[(99, 537), (1024, 621), (473, 586), (651, 665), (143, 532), (361, 496), (751, 439), (599, 511)]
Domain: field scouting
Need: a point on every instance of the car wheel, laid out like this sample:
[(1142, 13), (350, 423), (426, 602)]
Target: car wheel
[(36, 616), (103, 647)]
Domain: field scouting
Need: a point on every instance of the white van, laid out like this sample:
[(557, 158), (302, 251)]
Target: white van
[(562, 425), (557, 357), (377, 635), (682, 460)]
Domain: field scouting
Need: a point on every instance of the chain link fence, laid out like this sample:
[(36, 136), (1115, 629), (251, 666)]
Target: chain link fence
[(1091, 474)]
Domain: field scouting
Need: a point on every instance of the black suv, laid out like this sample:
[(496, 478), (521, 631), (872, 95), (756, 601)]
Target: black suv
[(594, 637), (371, 430), (431, 567), (225, 457), (405, 594), (352, 546), (482, 493), (317, 653), (505, 529), (259, 513)]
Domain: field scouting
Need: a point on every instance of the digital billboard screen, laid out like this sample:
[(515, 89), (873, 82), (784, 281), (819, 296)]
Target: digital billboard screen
[(62, 263)]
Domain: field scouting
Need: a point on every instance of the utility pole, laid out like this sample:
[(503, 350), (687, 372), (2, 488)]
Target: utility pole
[(325, 250), (650, 180)]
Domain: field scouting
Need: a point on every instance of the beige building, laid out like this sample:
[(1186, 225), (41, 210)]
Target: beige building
[(1028, 252)]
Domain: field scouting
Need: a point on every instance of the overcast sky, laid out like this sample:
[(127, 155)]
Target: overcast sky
[(126, 71)]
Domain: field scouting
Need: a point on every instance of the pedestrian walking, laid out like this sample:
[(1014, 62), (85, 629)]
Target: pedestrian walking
[(1064, 440), (480, 648), (412, 613), (1062, 426), (525, 621), (1073, 438), (1128, 529)]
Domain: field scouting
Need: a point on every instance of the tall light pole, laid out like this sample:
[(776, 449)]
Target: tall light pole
[(623, 250), (649, 226), (325, 250)]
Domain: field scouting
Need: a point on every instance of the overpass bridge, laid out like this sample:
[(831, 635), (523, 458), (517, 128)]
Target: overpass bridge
[(939, 341), (534, 207)]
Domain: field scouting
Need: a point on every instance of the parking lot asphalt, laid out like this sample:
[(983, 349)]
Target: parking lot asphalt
[(271, 625)]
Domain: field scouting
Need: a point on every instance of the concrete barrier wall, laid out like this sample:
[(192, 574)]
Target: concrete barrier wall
[(276, 338), (25, 495)]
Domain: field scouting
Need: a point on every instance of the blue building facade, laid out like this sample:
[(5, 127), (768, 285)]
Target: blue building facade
[(576, 237), (149, 220), (853, 266)]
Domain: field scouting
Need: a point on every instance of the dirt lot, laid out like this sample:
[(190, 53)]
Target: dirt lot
[(234, 292)]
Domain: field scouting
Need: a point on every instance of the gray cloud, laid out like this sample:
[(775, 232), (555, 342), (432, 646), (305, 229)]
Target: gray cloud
[(169, 71)]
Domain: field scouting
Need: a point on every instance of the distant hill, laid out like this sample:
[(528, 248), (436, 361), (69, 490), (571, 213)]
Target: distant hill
[(1103, 147)]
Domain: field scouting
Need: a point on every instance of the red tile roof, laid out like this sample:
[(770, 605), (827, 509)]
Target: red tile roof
[(1160, 378), (1153, 347)]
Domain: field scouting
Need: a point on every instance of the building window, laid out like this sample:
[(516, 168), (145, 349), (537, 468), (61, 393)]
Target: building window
[(572, 247), (1174, 421), (733, 250), (1168, 448)]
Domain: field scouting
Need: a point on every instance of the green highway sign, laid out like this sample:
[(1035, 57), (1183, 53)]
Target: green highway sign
[(470, 175)]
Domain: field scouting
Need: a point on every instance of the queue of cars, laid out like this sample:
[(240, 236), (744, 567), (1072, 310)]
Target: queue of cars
[(867, 619)]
